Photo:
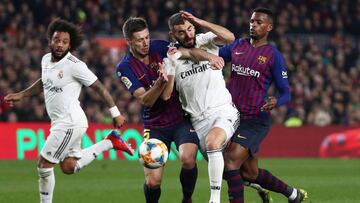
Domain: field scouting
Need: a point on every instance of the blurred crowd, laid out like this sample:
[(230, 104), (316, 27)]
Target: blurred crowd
[(318, 39)]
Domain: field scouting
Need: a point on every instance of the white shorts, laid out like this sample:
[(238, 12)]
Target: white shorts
[(225, 117), (63, 143)]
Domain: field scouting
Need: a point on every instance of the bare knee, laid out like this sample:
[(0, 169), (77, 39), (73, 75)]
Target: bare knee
[(153, 181), (153, 177), (212, 145), (188, 155), (43, 163), (188, 160), (68, 166), (215, 139)]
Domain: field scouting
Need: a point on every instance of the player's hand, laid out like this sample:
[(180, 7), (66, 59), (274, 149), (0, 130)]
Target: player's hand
[(270, 104), (118, 121), (191, 18), (172, 50), (10, 99), (162, 73), (216, 62)]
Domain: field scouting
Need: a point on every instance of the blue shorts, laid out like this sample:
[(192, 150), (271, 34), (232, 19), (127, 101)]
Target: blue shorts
[(251, 133), (180, 134)]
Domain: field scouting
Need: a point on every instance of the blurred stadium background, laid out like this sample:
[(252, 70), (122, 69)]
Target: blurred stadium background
[(319, 40)]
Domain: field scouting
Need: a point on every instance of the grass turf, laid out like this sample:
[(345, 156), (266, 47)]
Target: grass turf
[(327, 181)]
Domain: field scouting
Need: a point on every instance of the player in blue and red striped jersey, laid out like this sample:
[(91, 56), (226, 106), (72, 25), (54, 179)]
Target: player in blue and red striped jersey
[(255, 64), (141, 73)]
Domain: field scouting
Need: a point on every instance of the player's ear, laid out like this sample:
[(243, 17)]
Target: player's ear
[(270, 27), (172, 36), (127, 41)]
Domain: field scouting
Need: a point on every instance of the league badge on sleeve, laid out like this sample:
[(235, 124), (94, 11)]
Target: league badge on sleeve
[(126, 82), (284, 74)]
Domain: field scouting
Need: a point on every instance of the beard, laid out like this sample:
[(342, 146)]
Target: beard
[(254, 36), (182, 44), (56, 55)]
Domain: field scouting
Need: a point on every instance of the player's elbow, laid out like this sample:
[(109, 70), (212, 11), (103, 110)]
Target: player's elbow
[(165, 97), (229, 38)]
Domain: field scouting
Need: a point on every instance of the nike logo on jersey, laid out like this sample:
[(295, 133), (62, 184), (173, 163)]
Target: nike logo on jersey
[(241, 137), (238, 53), (192, 130)]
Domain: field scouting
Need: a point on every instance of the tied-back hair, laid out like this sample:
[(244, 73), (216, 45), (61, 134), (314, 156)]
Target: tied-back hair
[(175, 19), (267, 11), (59, 25), (133, 24)]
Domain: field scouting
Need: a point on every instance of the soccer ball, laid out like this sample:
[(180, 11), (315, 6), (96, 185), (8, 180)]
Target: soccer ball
[(153, 153)]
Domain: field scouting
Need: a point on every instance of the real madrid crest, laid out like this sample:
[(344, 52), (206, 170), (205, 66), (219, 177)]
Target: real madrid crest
[(60, 74), (261, 59)]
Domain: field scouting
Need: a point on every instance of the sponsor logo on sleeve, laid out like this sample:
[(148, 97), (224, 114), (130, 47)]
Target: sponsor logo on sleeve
[(284, 74), (126, 82)]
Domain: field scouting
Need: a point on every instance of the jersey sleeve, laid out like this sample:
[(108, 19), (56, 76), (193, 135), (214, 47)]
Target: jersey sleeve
[(279, 72), (83, 74), (127, 77), (159, 46), (225, 51), (205, 38)]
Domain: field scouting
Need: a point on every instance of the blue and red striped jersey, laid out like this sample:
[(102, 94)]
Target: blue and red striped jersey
[(134, 74), (253, 69)]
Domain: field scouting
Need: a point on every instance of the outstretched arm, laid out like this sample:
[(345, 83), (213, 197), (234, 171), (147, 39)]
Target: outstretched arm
[(196, 54), (223, 35), (34, 89), (118, 119)]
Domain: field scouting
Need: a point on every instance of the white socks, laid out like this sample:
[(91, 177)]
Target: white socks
[(46, 184), (89, 154), (215, 169), (293, 194)]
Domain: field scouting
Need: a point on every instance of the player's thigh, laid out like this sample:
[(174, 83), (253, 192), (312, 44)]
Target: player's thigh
[(215, 139), (224, 125), (153, 177), (187, 153), (62, 143)]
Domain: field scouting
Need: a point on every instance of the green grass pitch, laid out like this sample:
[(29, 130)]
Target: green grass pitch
[(327, 181)]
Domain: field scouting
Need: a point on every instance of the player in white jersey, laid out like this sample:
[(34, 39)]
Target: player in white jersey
[(62, 77), (202, 92)]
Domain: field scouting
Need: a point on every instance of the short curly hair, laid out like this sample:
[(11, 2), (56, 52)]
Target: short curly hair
[(59, 25)]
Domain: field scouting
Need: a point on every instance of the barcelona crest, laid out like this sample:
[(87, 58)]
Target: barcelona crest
[(154, 66), (261, 59)]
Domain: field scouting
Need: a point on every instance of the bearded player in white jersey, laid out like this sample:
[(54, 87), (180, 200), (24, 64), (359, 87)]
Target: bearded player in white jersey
[(203, 93), (62, 78)]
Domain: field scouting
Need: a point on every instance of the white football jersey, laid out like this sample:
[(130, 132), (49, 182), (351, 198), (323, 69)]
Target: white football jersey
[(200, 87), (62, 82)]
